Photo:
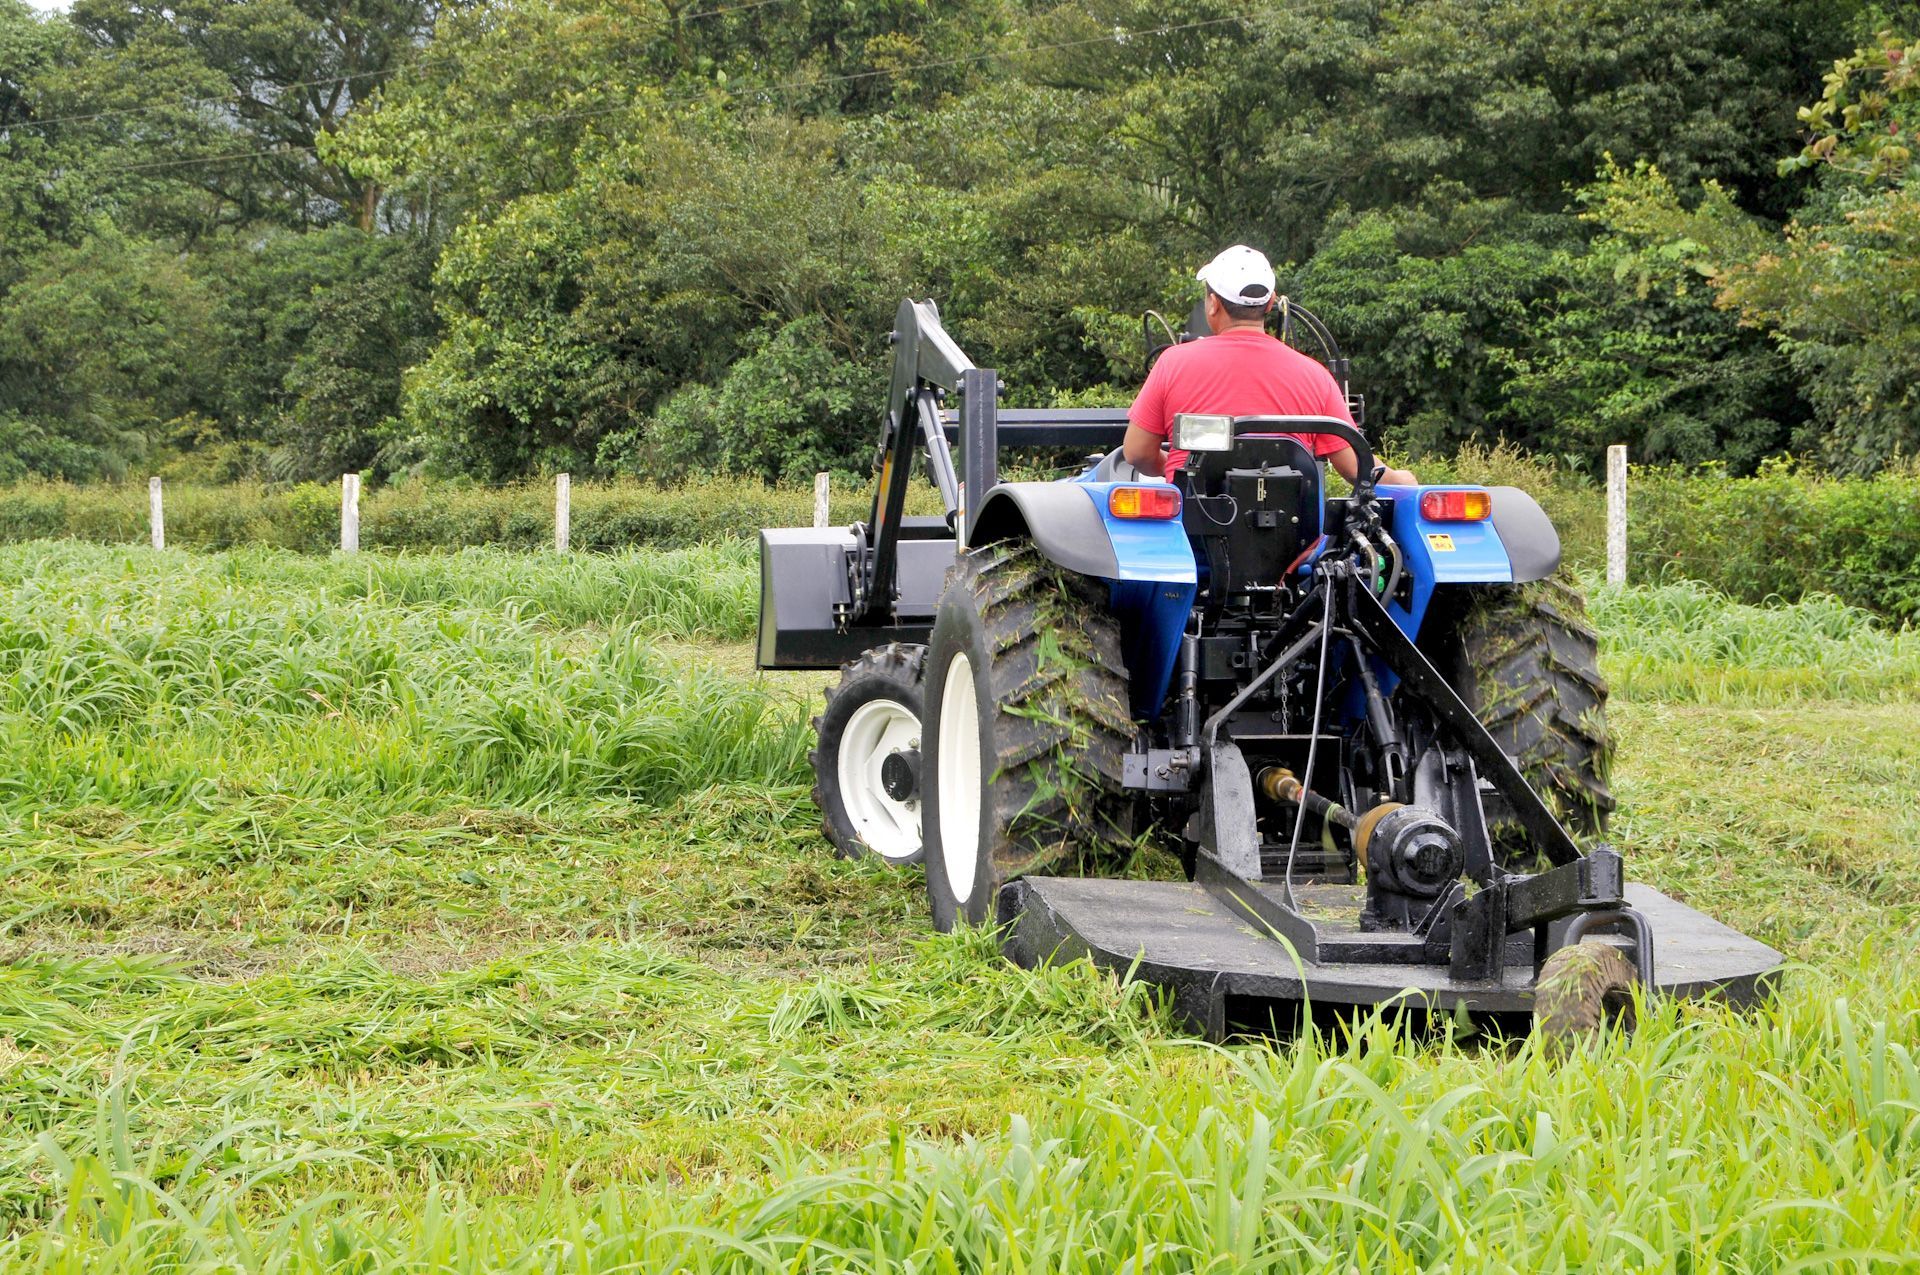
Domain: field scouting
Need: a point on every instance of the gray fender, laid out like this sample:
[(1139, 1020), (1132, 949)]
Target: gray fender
[(1533, 546), (1058, 517)]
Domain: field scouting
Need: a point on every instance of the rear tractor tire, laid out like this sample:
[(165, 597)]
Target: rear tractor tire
[(1528, 665), (1026, 725), (866, 763)]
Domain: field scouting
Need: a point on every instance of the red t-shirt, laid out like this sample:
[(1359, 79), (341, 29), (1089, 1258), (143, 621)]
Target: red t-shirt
[(1239, 372)]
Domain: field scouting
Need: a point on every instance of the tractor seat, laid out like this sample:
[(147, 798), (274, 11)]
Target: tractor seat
[(1115, 469)]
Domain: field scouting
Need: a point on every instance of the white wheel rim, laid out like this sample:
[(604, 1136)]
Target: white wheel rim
[(877, 730), (958, 763)]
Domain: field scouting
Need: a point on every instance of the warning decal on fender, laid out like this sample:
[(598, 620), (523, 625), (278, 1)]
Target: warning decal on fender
[(1439, 542)]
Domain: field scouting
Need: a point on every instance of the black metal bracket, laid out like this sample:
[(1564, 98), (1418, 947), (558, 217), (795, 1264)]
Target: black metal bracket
[(1250, 903), (979, 440), (1371, 620), (1229, 833), (1157, 770), (1642, 934), (925, 362), (1512, 904)]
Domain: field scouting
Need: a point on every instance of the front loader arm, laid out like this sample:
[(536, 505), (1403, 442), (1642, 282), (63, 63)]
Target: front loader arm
[(926, 361)]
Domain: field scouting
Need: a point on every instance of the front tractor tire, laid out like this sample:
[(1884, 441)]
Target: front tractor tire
[(1528, 665), (866, 761), (1026, 726)]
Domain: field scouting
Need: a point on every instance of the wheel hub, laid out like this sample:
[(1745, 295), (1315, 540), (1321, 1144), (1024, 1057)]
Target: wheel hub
[(900, 775), (875, 738)]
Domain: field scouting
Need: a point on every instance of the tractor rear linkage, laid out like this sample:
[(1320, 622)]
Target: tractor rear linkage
[(1469, 933)]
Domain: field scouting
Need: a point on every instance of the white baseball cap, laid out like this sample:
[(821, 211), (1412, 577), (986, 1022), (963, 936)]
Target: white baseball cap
[(1241, 275)]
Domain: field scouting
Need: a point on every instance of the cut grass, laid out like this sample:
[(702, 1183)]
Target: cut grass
[(476, 966)]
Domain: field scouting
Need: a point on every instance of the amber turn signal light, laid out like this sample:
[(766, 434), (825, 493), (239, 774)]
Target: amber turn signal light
[(1160, 501), (1456, 506)]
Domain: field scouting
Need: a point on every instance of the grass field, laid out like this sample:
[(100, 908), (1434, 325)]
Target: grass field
[(468, 912)]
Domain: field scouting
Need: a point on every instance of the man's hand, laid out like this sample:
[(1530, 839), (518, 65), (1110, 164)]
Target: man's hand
[(1143, 451)]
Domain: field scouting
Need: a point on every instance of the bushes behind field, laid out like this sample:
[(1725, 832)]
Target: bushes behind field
[(420, 515), (1784, 532)]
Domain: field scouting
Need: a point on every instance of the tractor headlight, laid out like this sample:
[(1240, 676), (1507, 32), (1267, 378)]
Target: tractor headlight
[(1202, 432)]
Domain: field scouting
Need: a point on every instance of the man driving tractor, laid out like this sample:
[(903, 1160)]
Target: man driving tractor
[(1239, 371)]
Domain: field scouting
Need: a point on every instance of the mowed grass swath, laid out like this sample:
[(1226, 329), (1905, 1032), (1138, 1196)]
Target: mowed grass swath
[(467, 912)]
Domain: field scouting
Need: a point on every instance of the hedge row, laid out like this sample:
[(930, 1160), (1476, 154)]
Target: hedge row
[(1784, 532), (420, 515)]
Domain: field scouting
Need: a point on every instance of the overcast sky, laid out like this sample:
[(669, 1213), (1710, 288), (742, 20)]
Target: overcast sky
[(48, 6)]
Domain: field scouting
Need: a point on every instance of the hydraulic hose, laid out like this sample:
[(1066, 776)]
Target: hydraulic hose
[(1399, 566), (1313, 742)]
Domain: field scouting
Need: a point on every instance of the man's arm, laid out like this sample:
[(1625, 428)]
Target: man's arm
[(1149, 423), (1344, 462), (1347, 465), (1142, 450)]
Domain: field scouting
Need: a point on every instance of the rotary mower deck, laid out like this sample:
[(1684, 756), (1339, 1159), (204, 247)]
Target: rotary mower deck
[(1221, 972)]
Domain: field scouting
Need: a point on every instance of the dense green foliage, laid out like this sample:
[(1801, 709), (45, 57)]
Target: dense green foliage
[(1784, 534), (457, 913), (278, 240)]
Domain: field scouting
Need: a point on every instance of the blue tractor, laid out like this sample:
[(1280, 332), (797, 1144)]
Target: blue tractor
[(1371, 727)]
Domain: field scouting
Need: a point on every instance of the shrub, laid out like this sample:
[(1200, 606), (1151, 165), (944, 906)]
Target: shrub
[(33, 511), (1786, 532)]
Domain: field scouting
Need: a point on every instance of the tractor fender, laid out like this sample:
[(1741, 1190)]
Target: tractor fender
[(1057, 517), (1068, 522), (1532, 545), (1149, 562)]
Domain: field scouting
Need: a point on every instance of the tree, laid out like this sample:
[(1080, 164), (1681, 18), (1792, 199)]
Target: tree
[(1630, 347), (241, 93), (1838, 291), (100, 350), (324, 326), (656, 229)]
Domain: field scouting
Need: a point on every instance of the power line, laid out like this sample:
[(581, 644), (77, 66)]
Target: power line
[(1116, 36), (236, 97)]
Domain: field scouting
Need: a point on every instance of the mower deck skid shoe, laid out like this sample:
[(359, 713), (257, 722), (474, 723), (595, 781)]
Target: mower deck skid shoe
[(1220, 972)]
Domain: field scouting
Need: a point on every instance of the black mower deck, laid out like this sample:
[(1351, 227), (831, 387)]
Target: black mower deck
[(1219, 969)]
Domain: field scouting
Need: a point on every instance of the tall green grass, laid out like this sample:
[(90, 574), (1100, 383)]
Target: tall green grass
[(1681, 641), (1786, 1139), (606, 517), (129, 678), (699, 592)]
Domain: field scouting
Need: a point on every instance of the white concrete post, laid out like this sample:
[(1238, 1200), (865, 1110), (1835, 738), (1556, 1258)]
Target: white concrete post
[(822, 514), (156, 517), (349, 513), (1616, 515), (562, 512)]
